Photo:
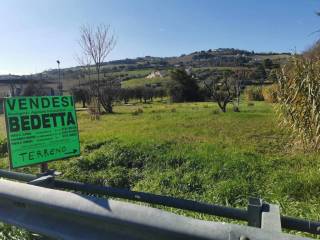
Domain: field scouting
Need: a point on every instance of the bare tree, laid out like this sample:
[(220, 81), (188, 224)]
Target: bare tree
[(13, 87), (96, 44), (85, 63)]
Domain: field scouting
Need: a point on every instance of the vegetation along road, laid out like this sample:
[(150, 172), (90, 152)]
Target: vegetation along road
[(193, 151)]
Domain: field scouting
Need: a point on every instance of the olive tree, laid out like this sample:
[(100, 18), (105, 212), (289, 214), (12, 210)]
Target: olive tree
[(222, 89), (81, 95), (110, 91)]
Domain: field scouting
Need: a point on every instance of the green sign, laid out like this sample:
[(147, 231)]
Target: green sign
[(41, 129)]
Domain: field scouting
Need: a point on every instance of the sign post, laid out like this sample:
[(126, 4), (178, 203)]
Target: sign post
[(41, 129)]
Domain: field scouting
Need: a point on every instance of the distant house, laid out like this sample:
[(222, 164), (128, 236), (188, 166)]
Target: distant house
[(156, 74)]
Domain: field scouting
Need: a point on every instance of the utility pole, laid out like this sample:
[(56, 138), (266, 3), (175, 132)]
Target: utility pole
[(44, 166), (59, 82)]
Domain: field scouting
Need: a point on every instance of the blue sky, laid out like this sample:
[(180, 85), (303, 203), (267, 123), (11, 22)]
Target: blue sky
[(35, 33)]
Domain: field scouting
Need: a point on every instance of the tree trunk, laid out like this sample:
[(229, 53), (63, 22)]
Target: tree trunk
[(236, 108), (98, 90), (222, 106), (109, 108)]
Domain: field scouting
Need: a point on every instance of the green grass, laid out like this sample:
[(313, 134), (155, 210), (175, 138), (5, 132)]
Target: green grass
[(192, 151), (197, 69), (131, 73), (138, 82), (140, 72)]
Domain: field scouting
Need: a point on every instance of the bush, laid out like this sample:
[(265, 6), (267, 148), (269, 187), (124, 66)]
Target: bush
[(299, 97), (8, 232), (3, 147), (270, 93), (253, 93)]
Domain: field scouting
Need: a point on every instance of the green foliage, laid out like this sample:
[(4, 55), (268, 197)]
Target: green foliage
[(141, 82), (3, 147), (183, 87), (259, 74), (81, 95), (268, 63), (8, 232), (253, 93), (299, 89)]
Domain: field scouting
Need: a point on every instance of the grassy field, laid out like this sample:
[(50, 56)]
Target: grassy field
[(192, 151), (140, 82)]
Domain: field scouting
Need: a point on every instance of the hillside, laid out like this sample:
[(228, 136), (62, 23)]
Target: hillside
[(133, 72)]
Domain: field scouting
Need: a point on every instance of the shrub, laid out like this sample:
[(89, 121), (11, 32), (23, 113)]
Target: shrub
[(270, 93), (12, 232), (299, 97), (3, 147), (94, 146), (253, 93)]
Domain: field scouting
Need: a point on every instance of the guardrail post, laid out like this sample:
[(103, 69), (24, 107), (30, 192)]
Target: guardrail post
[(254, 212), (45, 179), (271, 218)]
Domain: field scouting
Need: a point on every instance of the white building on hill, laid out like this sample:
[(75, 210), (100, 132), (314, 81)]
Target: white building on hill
[(155, 74)]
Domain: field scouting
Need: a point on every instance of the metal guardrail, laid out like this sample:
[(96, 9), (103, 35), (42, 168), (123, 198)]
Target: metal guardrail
[(66, 215), (258, 214)]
